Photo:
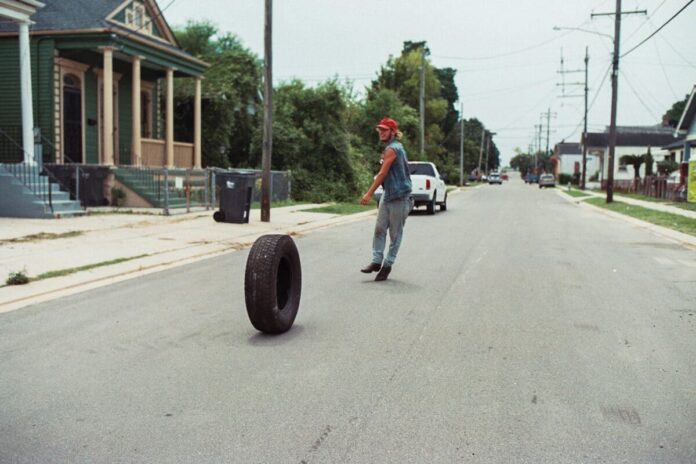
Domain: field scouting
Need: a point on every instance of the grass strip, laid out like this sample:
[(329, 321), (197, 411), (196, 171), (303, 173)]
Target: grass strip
[(672, 221), (342, 208), (279, 204), (574, 192), (72, 270), (42, 236)]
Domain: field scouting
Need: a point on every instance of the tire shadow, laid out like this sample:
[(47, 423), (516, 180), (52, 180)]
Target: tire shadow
[(269, 340)]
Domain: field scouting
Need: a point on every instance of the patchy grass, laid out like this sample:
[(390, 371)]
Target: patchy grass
[(684, 205), (17, 278), (342, 208), (279, 204), (73, 270), (574, 192), (103, 212), (672, 221), (42, 236)]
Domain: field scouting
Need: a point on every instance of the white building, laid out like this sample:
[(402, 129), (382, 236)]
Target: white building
[(630, 140), (569, 157)]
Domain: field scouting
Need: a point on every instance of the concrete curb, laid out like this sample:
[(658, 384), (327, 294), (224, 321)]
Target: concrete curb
[(49, 289), (685, 240)]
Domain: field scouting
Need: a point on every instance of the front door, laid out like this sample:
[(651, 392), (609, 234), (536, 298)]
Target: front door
[(72, 119)]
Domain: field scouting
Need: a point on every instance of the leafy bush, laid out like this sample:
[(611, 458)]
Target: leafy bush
[(17, 278)]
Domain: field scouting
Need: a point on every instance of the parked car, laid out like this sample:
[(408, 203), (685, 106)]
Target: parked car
[(547, 180), (504, 177), (428, 187), (494, 178), (531, 179)]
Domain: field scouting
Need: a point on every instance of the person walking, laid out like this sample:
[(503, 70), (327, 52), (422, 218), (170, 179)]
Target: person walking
[(396, 202)]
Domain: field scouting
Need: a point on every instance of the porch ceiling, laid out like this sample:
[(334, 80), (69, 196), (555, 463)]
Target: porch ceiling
[(85, 49)]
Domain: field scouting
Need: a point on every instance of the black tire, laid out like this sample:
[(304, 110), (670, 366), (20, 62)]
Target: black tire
[(219, 216), (431, 205), (273, 283), (443, 205)]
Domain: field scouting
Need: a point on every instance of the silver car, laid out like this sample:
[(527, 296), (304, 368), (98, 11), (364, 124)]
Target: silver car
[(547, 180)]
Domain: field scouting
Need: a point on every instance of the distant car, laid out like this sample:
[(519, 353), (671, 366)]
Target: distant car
[(531, 179), (472, 178), (547, 180), (494, 178), (504, 177)]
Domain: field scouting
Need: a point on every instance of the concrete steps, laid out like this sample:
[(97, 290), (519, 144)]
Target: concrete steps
[(27, 195)]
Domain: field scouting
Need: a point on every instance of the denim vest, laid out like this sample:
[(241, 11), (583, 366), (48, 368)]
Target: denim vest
[(397, 184)]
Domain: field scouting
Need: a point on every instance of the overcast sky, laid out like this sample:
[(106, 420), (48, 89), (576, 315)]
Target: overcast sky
[(506, 53)]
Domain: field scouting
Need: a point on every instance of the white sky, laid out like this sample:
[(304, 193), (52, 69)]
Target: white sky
[(506, 53)]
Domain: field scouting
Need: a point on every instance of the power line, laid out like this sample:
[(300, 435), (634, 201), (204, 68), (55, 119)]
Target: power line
[(646, 21), (659, 28), (594, 99), (637, 95)]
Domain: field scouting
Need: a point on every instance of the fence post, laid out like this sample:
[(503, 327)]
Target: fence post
[(166, 192), (213, 191), (206, 179), (289, 184), (77, 183)]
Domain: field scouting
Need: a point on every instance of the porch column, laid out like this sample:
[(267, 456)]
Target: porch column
[(169, 136), (136, 146), (26, 97), (197, 126), (108, 147)]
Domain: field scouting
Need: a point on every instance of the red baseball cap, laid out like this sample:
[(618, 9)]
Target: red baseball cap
[(388, 123)]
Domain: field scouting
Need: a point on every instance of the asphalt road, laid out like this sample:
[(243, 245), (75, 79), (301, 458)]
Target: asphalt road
[(515, 327)]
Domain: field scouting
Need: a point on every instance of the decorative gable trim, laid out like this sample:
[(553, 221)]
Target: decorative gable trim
[(145, 17)]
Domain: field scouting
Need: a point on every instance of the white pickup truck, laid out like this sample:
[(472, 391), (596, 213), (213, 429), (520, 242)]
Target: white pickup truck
[(428, 186)]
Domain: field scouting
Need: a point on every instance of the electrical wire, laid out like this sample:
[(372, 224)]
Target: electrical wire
[(637, 95), (594, 99), (659, 28), (646, 20)]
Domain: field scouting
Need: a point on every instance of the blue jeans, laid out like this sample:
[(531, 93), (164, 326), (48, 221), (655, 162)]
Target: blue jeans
[(392, 217)]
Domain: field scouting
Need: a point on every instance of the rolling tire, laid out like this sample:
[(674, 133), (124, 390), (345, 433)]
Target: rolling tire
[(443, 205), (273, 283), (219, 216), (431, 205)]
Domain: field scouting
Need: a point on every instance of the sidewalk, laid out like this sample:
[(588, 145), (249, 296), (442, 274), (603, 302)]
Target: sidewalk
[(147, 243), (645, 204)]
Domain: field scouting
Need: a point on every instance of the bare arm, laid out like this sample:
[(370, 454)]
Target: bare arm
[(389, 158)]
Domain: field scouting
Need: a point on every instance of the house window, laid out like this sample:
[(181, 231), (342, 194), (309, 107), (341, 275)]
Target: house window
[(138, 19)]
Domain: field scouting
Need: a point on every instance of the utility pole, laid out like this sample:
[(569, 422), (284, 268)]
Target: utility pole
[(483, 135), (488, 151), (549, 115), (422, 101), (461, 146), (584, 132), (267, 115), (614, 92)]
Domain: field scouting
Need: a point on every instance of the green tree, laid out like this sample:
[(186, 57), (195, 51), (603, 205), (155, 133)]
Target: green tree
[(230, 96), (649, 163), (673, 115), (634, 160), (311, 139)]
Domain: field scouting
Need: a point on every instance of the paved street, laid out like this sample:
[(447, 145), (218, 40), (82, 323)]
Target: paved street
[(515, 327)]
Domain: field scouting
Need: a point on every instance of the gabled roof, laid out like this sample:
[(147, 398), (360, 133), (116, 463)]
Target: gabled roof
[(87, 15), (634, 136), (568, 148), (689, 112)]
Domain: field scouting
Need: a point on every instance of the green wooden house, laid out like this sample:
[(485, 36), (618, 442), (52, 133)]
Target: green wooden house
[(79, 48)]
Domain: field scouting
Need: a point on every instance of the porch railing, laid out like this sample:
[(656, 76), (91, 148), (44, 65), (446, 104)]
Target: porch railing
[(154, 153)]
